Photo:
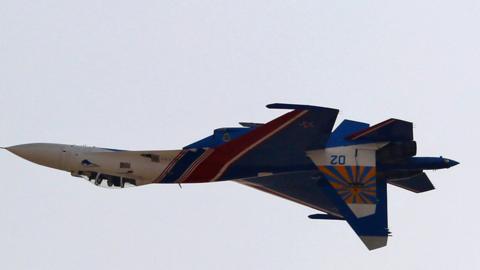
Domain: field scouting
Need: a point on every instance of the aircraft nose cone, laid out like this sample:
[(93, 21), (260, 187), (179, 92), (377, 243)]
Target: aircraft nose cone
[(45, 154), (453, 163)]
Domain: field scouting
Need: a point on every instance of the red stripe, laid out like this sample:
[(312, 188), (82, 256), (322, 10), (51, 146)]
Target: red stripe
[(369, 130), (194, 165), (169, 166), (222, 155)]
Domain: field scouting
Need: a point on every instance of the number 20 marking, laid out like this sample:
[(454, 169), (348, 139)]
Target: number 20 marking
[(337, 159)]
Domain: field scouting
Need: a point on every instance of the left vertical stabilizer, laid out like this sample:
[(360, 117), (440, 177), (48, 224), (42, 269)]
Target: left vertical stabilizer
[(350, 177)]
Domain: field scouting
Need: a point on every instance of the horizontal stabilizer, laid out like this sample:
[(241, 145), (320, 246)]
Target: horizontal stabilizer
[(418, 183), (390, 130)]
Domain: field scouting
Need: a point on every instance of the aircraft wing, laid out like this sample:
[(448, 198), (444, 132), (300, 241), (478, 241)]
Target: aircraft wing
[(280, 145), (277, 146), (299, 187), (334, 195)]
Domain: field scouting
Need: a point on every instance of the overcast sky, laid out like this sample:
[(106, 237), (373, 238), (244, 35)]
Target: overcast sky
[(161, 74)]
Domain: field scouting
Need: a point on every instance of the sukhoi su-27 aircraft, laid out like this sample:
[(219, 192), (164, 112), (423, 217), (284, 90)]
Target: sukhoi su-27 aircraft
[(343, 174)]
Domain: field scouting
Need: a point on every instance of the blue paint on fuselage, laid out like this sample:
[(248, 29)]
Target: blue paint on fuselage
[(219, 137), (182, 165), (346, 128), (417, 163)]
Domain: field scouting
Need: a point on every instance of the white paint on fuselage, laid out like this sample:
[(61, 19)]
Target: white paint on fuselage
[(142, 168), (353, 155), (105, 161)]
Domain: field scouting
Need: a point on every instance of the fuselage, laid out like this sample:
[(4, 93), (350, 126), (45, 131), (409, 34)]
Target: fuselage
[(94, 163), (112, 167), (295, 156)]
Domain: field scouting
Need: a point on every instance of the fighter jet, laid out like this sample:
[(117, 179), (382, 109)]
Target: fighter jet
[(343, 174)]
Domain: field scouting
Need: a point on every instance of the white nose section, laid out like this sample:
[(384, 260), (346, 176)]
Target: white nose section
[(46, 154)]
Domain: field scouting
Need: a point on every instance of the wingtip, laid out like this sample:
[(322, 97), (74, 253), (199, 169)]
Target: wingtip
[(272, 105), (374, 242), (298, 107)]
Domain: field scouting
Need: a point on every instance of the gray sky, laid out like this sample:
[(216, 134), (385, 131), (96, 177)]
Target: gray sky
[(161, 74)]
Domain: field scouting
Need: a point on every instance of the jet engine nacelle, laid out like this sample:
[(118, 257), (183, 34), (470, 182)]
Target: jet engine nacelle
[(397, 151)]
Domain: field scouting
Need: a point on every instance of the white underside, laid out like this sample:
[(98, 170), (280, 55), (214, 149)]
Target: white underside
[(362, 210), (374, 242)]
